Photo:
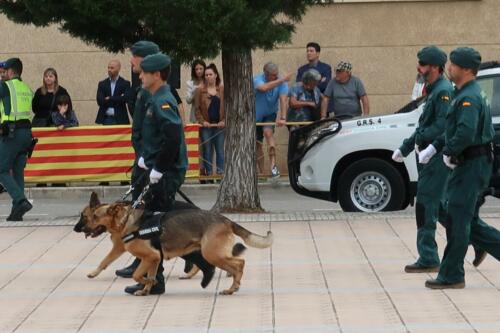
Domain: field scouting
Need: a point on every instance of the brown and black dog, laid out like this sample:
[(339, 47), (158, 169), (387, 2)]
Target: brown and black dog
[(182, 233)]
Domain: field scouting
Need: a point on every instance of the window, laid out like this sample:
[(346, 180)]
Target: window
[(491, 87)]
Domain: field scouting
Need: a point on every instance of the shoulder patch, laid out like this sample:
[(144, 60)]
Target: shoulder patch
[(466, 103), (165, 106)]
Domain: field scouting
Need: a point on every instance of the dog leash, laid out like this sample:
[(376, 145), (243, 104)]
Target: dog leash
[(132, 186), (140, 197), (138, 180), (185, 197)]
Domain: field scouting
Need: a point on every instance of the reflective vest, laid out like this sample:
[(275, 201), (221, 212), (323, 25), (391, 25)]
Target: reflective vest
[(20, 101)]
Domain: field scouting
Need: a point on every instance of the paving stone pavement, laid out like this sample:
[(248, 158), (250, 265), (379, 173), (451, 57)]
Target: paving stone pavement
[(326, 272)]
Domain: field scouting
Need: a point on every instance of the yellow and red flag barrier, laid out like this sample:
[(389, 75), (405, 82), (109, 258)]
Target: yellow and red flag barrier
[(92, 154)]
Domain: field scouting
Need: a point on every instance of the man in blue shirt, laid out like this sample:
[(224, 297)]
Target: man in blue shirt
[(269, 89), (313, 51)]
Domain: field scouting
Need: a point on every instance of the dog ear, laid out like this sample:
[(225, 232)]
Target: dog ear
[(94, 200)]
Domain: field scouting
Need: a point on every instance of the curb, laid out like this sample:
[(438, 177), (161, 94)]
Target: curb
[(117, 191)]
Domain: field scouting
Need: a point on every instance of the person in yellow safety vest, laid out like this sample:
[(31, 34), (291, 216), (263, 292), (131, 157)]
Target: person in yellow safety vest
[(15, 139)]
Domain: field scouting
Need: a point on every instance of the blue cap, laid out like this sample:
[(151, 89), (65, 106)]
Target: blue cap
[(2, 64)]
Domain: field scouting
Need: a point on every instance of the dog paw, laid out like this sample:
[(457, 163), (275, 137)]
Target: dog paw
[(227, 292), (142, 292), (93, 274)]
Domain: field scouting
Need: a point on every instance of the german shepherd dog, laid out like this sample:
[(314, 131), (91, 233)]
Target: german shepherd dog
[(183, 232)]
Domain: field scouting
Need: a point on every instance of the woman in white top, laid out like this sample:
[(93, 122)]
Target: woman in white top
[(197, 77)]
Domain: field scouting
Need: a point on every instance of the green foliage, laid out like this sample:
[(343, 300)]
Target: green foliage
[(185, 29)]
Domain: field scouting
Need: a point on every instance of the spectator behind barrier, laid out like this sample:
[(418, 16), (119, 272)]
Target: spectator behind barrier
[(65, 117), (112, 97), (209, 102), (347, 91), (269, 89), (3, 73), (197, 77), (305, 99), (44, 101), (312, 52)]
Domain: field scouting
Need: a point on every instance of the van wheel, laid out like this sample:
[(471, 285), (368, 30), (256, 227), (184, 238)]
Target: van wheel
[(371, 185)]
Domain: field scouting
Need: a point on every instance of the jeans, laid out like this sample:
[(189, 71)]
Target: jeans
[(212, 138)]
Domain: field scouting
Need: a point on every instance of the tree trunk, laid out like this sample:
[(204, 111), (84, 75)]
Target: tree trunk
[(238, 190)]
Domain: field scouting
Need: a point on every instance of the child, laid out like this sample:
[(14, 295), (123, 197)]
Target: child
[(65, 117)]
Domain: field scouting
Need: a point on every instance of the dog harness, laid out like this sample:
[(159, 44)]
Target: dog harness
[(150, 229)]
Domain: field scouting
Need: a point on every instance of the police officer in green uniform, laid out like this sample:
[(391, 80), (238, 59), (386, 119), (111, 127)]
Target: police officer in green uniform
[(138, 101), (467, 151), (164, 153), (432, 173), (15, 141)]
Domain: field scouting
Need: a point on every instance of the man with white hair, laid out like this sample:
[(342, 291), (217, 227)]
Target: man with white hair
[(270, 88), (348, 93), (305, 98)]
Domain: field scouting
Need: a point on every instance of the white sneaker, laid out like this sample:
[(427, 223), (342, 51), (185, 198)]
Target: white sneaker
[(275, 172)]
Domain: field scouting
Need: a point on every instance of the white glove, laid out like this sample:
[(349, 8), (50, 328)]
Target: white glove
[(447, 161), (141, 164), (425, 155), (397, 156), (417, 150), (155, 176)]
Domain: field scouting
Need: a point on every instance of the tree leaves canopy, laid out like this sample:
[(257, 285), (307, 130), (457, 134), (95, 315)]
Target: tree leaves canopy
[(186, 29)]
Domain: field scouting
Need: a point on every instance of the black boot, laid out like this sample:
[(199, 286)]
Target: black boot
[(188, 266), (479, 256), (207, 268), (157, 289), (417, 268), (436, 284), (19, 210), (128, 271)]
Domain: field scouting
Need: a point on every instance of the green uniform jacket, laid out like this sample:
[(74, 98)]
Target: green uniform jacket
[(468, 121), (141, 101), (163, 143), (432, 120)]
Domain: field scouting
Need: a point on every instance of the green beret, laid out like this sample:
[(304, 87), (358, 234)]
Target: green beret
[(466, 57), (144, 48), (155, 62), (432, 55)]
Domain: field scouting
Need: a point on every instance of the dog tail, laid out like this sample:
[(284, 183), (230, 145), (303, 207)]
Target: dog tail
[(251, 239), (238, 249)]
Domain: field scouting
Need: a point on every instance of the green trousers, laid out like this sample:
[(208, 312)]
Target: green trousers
[(13, 156), (463, 225), (162, 194), (431, 187)]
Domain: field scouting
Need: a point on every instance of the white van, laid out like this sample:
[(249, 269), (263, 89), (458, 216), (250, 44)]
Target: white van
[(349, 161)]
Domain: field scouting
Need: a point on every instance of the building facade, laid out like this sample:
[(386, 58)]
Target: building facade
[(379, 37)]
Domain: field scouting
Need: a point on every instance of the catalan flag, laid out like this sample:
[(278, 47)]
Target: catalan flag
[(92, 154)]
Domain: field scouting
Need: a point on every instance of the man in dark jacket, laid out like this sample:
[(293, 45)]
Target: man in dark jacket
[(112, 97)]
